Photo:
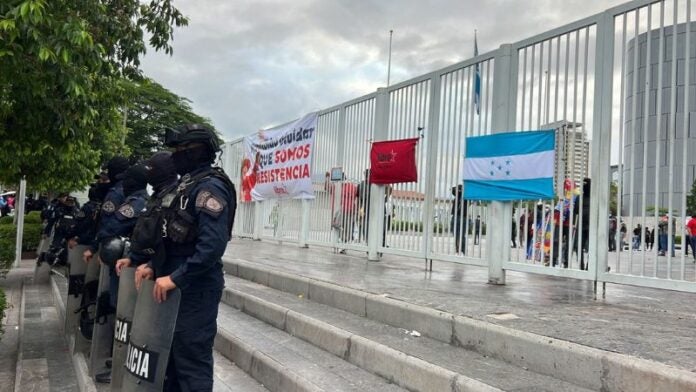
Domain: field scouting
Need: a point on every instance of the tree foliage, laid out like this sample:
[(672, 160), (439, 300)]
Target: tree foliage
[(63, 71), (152, 107), (691, 200)]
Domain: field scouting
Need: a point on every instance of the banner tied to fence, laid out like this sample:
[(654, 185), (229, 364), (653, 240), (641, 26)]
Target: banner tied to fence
[(277, 162)]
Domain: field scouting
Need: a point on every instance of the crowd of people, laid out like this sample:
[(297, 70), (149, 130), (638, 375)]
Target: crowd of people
[(177, 236), (644, 238)]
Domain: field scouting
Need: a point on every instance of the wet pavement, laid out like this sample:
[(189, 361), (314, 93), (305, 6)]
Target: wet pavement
[(653, 324)]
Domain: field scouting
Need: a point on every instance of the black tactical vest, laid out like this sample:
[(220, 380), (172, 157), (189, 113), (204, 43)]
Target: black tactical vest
[(180, 227)]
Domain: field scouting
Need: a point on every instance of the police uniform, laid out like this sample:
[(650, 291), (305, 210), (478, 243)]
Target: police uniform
[(197, 230), (146, 242), (86, 223), (118, 217), (62, 222)]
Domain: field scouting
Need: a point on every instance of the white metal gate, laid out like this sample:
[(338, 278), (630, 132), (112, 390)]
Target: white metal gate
[(618, 89)]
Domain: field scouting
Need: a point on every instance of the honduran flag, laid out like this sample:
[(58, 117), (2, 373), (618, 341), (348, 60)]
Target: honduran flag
[(510, 166)]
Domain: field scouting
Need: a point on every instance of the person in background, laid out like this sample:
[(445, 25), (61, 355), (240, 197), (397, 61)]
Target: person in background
[(388, 213), (458, 219), (3, 206), (343, 220), (636, 237), (477, 229), (513, 232), (362, 194), (691, 227)]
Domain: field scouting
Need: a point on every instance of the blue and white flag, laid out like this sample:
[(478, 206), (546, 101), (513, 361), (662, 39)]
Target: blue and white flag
[(510, 166)]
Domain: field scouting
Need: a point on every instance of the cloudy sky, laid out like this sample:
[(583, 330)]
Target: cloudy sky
[(250, 64)]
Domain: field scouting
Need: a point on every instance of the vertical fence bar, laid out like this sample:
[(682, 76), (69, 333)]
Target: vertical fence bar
[(685, 138), (670, 141), (601, 155), (504, 101), (376, 217), (431, 185), (646, 117)]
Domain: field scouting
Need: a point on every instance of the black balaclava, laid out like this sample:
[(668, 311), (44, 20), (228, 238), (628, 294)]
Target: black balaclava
[(116, 166), (93, 194), (134, 179), (160, 170), (192, 158)]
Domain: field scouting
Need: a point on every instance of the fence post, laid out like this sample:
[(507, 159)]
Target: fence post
[(304, 224), (431, 135), (601, 151), (376, 216), (19, 213), (502, 120), (338, 188), (258, 219)]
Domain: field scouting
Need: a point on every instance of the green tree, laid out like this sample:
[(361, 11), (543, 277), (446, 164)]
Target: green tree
[(63, 65), (152, 107), (691, 200), (613, 197)]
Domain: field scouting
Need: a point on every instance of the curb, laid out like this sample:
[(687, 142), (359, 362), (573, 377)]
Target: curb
[(399, 368), (584, 366), (85, 383), (264, 369), (20, 334)]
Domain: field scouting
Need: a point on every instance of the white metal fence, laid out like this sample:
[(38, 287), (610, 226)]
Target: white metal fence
[(617, 87)]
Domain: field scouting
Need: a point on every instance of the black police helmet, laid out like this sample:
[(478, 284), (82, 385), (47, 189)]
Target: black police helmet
[(116, 166), (191, 133), (111, 250)]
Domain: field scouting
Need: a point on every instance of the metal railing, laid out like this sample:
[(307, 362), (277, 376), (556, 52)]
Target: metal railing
[(587, 81)]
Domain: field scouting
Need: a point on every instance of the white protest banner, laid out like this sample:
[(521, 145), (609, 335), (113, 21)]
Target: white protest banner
[(282, 159)]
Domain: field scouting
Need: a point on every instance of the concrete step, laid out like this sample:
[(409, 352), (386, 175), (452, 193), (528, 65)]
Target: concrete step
[(284, 363), (576, 364), (230, 378), (227, 376), (416, 363)]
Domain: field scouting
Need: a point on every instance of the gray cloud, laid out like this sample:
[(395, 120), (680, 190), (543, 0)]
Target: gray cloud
[(251, 64)]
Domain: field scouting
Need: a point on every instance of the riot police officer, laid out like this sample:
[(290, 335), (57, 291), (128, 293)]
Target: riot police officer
[(197, 233), (61, 221), (87, 218), (114, 198), (146, 241), (120, 210)]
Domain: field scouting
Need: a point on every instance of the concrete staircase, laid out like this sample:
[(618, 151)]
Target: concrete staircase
[(294, 333)]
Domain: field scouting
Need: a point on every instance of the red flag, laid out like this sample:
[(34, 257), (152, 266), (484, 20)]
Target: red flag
[(393, 161)]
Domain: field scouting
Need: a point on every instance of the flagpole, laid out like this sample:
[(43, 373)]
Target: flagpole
[(391, 34)]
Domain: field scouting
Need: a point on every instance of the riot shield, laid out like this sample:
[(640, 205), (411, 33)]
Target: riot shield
[(127, 296), (88, 307), (102, 335), (150, 340), (42, 271), (76, 281)]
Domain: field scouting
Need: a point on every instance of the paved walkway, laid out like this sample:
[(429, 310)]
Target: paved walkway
[(652, 324), (9, 340)]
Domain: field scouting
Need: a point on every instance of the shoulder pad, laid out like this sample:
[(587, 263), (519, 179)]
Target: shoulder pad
[(127, 210), (210, 203), (108, 206)]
